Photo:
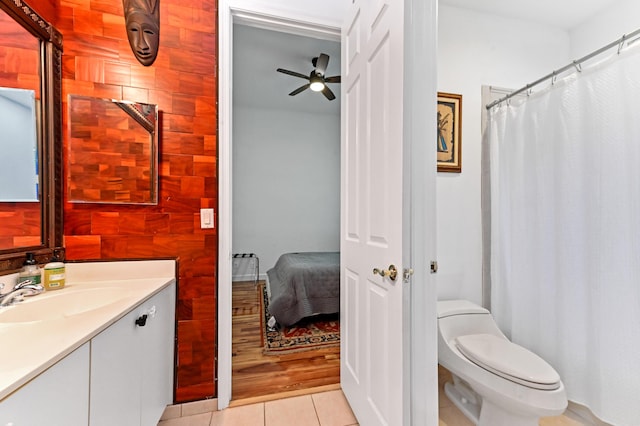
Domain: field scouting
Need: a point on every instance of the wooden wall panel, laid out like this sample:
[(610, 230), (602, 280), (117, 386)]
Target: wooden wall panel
[(20, 225), (98, 62)]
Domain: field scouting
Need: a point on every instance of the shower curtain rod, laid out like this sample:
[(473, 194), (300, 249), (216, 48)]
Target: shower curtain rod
[(575, 64)]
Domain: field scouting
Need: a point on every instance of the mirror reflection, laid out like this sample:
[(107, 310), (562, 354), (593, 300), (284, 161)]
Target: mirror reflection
[(19, 160), (20, 95), (112, 151)]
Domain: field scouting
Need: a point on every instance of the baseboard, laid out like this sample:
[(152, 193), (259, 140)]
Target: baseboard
[(582, 414)]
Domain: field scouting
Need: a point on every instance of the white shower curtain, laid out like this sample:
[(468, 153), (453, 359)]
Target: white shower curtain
[(565, 231)]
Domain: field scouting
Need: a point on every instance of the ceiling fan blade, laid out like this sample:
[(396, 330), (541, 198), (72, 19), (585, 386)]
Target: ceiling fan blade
[(299, 89), (321, 63), (293, 73), (334, 79), (328, 93)]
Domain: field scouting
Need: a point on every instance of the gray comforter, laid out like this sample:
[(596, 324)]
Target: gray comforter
[(304, 284)]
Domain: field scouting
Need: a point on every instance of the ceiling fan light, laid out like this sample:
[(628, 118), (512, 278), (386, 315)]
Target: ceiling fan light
[(316, 83), (317, 86)]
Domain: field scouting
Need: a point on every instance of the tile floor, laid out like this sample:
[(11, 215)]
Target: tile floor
[(328, 408), (319, 409)]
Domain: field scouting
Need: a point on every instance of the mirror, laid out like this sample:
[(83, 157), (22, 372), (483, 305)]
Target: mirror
[(113, 149), (31, 136), (19, 160)]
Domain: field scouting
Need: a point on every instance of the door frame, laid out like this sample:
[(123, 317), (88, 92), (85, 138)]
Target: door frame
[(229, 15), (419, 103), (421, 75)]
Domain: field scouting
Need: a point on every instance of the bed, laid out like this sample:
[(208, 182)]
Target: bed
[(304, 284)]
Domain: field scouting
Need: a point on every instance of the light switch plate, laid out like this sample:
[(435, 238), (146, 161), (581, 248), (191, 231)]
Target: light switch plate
[(206, 218)]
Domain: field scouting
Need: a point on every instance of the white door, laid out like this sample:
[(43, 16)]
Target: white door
[(372, 212)]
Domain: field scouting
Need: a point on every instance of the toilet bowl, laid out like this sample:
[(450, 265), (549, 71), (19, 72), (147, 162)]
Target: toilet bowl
[(495, 381)]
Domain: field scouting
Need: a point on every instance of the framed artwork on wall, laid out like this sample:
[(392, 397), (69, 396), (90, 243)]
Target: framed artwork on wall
[(449, 142)]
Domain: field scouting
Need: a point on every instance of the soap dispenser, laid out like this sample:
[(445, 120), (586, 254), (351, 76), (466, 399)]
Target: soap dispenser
[(54, 273), (30, 270)]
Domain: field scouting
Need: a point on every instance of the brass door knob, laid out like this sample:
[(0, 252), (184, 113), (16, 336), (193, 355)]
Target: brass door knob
[(392, 272)]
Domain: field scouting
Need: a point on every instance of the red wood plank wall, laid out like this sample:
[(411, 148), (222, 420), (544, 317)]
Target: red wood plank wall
[(98, 62), (20, 225)]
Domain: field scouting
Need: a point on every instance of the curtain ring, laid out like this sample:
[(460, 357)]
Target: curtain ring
[(554, 77), (577, 65), (622, 41)]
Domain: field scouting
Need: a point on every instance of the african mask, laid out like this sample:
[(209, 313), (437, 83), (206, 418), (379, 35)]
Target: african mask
[(142, 20)]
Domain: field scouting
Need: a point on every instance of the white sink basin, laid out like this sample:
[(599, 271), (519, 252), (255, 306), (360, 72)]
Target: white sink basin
[(60, 305)]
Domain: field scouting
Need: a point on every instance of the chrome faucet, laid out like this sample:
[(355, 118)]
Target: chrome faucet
[(20, 290)]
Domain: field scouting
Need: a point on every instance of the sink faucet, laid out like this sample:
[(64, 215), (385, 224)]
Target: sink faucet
[(20, 290)]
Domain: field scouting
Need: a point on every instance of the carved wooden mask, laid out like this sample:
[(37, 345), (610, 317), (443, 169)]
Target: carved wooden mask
[(142, 19)]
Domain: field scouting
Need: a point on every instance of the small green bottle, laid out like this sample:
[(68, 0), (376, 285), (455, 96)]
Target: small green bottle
[(30, 270)]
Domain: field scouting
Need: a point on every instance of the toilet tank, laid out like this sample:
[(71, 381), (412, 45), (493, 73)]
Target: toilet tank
[(461, 317), (448, 308)]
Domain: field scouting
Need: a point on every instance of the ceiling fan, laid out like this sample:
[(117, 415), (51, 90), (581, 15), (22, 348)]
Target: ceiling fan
[(317, 80)]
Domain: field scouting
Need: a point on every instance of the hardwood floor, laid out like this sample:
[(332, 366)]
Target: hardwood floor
[(256, 375)]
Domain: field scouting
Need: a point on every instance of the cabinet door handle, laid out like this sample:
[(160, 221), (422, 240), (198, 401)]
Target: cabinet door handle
[(142, 320)]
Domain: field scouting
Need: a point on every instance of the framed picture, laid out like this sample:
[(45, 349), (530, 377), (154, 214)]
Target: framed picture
[(449, 142)]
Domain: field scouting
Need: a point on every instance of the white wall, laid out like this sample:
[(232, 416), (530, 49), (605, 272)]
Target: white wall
[(286, 182), (477, 49), (620, 18), (326, 12)]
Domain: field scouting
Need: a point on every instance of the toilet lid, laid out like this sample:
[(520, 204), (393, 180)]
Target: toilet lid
[(508, 360)]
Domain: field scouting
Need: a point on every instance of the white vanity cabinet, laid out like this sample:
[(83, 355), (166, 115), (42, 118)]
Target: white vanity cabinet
[(76, 357), (57, 397), (132, 365)]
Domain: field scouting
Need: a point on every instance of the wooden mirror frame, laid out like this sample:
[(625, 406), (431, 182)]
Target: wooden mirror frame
[(50, 145)]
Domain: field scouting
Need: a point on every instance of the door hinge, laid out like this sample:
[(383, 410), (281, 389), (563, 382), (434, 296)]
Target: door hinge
[(434, 266)]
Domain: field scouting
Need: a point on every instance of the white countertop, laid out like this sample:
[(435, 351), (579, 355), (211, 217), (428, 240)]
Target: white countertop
[(30, 347)]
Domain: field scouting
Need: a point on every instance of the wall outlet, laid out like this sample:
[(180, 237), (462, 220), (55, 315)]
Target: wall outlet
[(206, 219)]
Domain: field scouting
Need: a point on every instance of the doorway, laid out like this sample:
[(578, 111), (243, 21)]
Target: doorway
[(285, 189), (419, 102)]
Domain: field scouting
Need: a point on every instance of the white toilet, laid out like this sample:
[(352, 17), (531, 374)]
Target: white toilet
[(495, 382)]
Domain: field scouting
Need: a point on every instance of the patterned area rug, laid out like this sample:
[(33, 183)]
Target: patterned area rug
[(317, 332)]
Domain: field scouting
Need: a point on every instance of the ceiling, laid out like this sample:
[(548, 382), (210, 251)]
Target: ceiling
[(565, 14), (257, 53)]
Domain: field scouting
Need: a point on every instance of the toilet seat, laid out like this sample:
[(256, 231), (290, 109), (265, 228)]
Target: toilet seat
[(508, 360)]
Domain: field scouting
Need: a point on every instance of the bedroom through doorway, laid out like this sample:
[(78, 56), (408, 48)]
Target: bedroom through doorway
[(286, 199)]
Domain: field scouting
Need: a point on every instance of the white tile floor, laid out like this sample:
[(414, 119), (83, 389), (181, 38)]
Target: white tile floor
[(328, 408), (319, 409)]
